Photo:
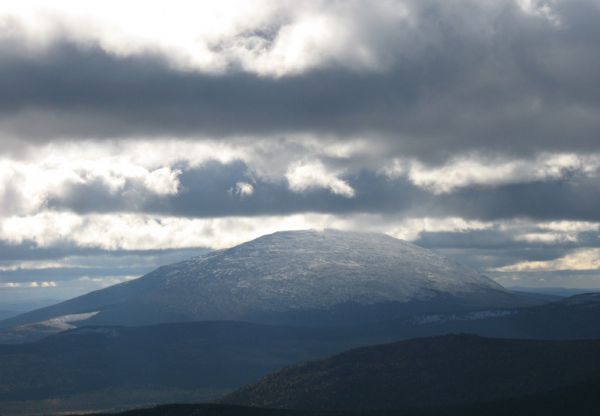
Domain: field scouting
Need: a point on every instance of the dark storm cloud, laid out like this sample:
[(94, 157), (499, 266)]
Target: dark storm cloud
[(564, 199), (492, 79), (108, 96), (492, 248)]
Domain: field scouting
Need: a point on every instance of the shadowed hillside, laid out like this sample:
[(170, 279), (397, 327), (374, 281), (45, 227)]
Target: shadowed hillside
[(426, 372), (582, 399)]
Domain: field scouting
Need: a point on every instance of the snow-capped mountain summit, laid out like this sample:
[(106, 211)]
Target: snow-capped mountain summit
[(295, 276), (321, 269)]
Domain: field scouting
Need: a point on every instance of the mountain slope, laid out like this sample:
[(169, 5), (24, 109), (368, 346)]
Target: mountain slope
[(454, 369), (304, 277)]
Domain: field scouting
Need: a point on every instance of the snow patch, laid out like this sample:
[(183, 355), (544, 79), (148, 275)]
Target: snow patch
[(63, 323)]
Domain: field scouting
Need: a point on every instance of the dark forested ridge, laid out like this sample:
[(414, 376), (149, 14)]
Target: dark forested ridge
[(582, 399), (446, 370)]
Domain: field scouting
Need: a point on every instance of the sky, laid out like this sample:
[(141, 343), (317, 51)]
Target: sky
[(135, 134)]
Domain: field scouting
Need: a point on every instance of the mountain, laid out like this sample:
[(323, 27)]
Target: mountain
[(425, 372), (300, 277), (543, 297), (583, 301)]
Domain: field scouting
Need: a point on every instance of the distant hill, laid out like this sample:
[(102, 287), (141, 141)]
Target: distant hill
[(438, 371), (298, 277), (576, 317), (552, 291), (542, 297)]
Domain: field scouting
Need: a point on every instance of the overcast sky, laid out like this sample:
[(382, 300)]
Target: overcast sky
[(134, 134)]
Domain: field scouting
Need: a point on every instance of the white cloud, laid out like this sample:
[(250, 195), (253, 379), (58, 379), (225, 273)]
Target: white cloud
[(242, 189), (410, 228), (143, 232), (154, 166), (303, 176), (582, 259), (186, 31), (547, 237), (479, 170), (139, 232), (540, 8), (27, 184), (162, 181), (266, 37), (34, 284), (33, 265), (547, 232), (569, 226)]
